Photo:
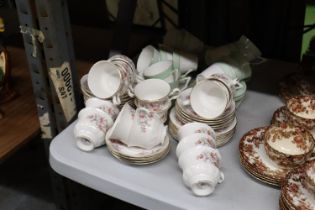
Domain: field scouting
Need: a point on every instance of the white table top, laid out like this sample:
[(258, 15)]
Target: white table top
[(160, 186)]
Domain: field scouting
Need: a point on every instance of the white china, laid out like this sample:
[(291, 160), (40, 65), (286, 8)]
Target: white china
[(195, 127), (91, 128), (199, 154), (186, 62), (104, 79), (122, 126), (193, 140), (88, 136), (95, 117), (202, 178), (135, 152), (104, 105), (209, 99), (154, 90), (160, 70), (147, 130), (148, 56)]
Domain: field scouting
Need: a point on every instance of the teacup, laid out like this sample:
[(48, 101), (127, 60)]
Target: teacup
[(85, 88), (202, 178), (105, 79), (185, 62), (161, 70), (193, 140), (199, 154), (195, 127), (122, 126), (104, 105), (309, 181), (88, 136), (148, 56), (147, 130), (210, 98), (154, 93), (302, 109), (287, 145), (96, 117)]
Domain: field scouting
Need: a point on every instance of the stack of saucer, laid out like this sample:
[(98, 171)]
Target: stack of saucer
[(269, 153), (299, 111), (224, 123), (137, 155), (138, 137), (85, 88), (297, 190)]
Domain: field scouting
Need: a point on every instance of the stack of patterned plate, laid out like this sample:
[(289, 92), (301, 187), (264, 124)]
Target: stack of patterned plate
[(256, 162), (137, 155), (224, 125), (295, 194)]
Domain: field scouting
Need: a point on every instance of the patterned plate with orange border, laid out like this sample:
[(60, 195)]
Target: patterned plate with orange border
[(252, 152), (294, 193)]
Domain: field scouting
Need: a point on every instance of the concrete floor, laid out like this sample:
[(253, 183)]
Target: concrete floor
[(25, 184), (24, 180)]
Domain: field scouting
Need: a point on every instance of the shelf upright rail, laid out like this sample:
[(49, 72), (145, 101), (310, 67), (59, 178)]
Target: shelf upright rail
[(45, 27)]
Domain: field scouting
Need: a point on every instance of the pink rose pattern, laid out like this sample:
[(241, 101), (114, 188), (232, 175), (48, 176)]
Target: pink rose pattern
[(144, 120), (211, 157), (100, 122), (205, 142)]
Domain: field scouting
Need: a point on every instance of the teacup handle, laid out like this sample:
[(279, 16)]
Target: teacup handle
[(131, 92), (188, 72), (116, 100), (187, 80), (174, 93), (237, 84), (221, 178)]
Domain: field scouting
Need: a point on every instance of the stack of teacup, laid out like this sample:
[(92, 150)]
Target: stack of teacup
[(173, 67), (198, 158), (209, 101), (234, 76), (138, 136), (93, 123), (155, 95), (299, 111), (110, 79)]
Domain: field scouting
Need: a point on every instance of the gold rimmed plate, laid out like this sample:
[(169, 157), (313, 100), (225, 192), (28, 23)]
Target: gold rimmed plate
[(294, 193), (253, 153)]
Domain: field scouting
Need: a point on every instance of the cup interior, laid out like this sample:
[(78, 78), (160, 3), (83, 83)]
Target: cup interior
[(104, 79), (145, 58), (209, 99), (152, 90), (157, 69)]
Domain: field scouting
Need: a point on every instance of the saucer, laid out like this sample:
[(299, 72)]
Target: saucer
[(294, 194), (135, 152), (252, 152), (280, 116)]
